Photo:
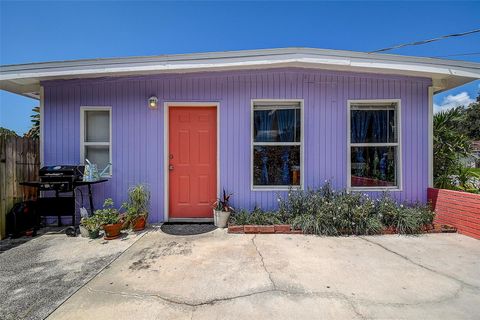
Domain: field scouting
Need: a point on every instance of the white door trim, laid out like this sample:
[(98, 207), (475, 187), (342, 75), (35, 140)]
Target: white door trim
[(166, 147)]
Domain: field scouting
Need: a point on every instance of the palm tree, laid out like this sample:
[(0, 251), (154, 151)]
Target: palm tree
[(449, 146), (34, 131)]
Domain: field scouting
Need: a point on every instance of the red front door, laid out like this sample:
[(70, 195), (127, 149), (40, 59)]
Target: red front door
[(192, 161)]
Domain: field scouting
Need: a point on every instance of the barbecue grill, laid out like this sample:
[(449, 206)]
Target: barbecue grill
[(63, 180)]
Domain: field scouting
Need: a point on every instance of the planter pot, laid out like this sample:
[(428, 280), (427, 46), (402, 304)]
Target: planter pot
[(139, 224), (220, 218), (84, 232), (93, 234), (112, 231), (215, 216)]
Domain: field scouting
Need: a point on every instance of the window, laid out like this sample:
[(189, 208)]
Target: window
[(374, 145), (95, 136), (276, 145)]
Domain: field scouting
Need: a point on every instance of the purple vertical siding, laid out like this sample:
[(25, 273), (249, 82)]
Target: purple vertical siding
[(137, 132)]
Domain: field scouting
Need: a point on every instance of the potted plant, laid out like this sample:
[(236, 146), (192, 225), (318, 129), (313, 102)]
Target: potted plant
[(91, 227), (222, 210), (137, 207), (110, 219)]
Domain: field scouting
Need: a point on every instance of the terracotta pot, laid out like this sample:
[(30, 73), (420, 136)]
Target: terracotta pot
[(112, 231), (139, 224)]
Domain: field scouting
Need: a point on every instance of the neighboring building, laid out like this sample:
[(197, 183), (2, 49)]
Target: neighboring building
[(252, 122), (476, 154), (472, 161)]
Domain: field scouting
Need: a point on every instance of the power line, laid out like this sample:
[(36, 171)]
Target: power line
[(458, 55), (416, 43)]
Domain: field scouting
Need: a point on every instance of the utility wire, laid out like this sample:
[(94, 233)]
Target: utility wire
[(458, 55), (416, 43)]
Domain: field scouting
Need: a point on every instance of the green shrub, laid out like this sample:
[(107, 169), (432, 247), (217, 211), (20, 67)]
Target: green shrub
[(258, 217), (109, 214), (331, 213), (239, 218), (406, 219), (337, 213), (91, 223)]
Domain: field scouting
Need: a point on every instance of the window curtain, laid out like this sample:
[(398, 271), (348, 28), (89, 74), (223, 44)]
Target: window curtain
[(380, 126), (286, 130), (263, 124), (360, 121), (359, 128), (381, 135)]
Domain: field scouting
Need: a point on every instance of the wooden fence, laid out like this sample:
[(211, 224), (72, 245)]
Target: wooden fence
[(19, 161)]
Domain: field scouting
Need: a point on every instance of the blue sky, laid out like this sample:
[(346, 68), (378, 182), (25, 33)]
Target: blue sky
[(45, 31)]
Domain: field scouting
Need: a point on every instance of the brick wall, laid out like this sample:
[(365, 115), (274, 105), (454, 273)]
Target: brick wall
[(456, 208)]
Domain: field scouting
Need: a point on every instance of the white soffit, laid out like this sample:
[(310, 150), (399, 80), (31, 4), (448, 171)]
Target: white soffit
[(25, 78)]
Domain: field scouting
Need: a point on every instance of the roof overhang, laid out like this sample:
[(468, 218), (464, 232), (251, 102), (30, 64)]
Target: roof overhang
[(25, 79)]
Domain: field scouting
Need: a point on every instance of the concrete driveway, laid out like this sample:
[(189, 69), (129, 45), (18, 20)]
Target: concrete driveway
[(38, 274), (224, 276)]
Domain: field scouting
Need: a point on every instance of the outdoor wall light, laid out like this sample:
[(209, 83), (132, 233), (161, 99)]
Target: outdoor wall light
[(153, 102)]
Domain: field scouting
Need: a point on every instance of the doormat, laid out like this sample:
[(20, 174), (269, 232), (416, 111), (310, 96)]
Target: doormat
[(186, 229)]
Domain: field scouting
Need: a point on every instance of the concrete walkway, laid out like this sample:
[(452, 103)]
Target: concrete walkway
[(222, 276)]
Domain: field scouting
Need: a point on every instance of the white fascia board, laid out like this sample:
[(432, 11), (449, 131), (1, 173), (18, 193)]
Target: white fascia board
[(451, 73)]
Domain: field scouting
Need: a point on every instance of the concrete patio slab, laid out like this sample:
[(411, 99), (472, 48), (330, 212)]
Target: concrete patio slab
[(37, 276), (224, 276)]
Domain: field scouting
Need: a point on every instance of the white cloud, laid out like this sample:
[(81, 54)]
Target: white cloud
[(452, 101)]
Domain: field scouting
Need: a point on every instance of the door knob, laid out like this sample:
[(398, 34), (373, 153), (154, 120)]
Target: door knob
[(170, 167)]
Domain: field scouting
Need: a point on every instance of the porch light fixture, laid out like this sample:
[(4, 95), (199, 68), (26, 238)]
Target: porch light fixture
[(153, 103)]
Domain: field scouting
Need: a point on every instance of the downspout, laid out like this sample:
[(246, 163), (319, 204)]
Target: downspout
[(430, 136), (42, 124)]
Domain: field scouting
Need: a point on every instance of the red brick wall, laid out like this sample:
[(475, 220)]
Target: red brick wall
[(456, 208)]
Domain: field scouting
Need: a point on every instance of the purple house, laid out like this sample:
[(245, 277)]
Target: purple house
[(255, 123)]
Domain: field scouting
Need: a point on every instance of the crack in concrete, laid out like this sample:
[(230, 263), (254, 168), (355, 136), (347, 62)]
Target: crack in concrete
[(178, 302), (329, 294), (352, 302), (263, 263), (275, 289), (193, 306), (461, 282)]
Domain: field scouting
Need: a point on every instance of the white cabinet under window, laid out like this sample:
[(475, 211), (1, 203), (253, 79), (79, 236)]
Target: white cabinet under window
[(276, 145), (96, 136), (374, 160)]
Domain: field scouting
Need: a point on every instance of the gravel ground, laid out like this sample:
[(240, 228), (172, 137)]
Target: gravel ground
[(39, 274)]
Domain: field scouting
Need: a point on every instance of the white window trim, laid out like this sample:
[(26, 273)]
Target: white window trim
[(83, 144), (267, 103), (398, 144)]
